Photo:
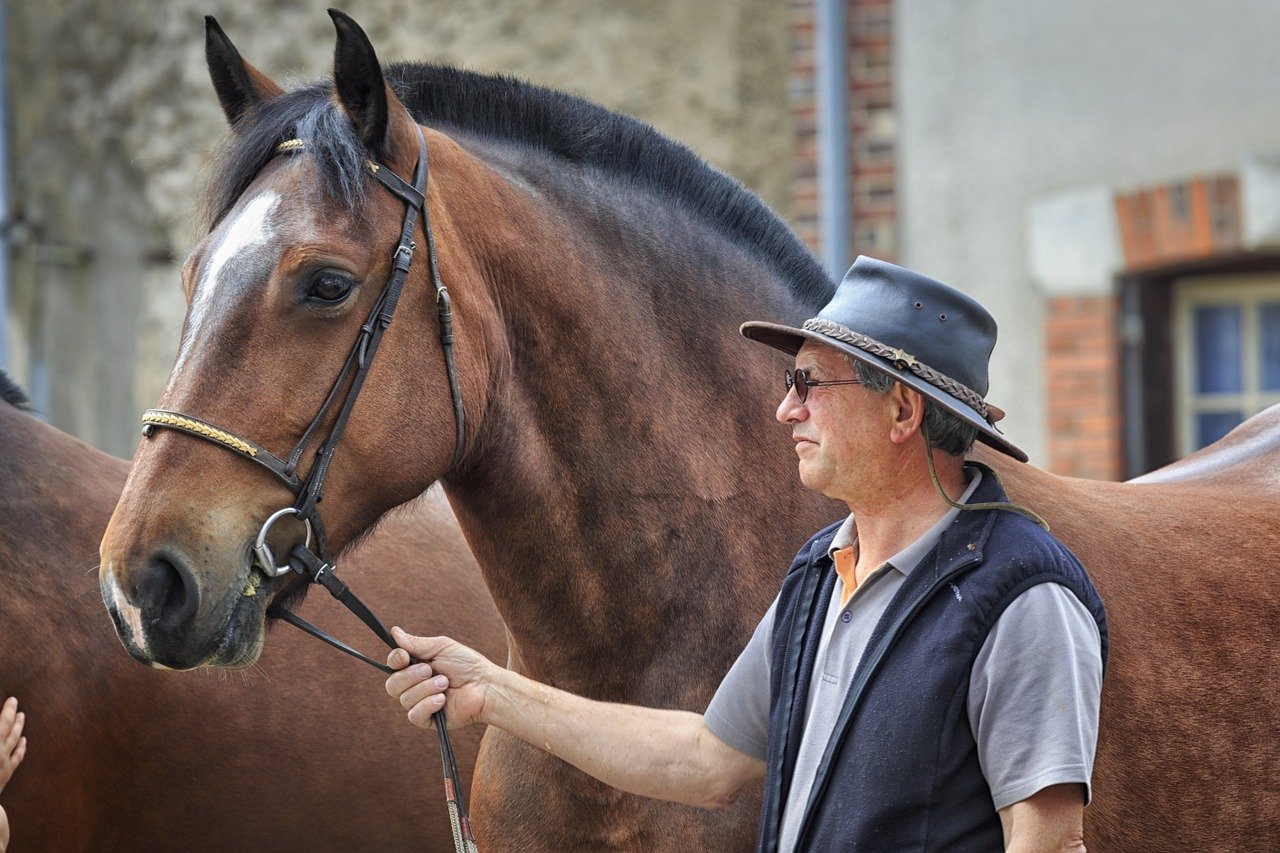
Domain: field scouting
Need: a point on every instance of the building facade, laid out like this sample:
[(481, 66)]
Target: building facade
[(1103, 176)]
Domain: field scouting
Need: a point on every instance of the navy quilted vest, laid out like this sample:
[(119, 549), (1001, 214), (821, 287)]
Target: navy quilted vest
[(901, 769)]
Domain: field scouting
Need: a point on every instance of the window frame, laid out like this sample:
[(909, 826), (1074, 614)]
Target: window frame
[(1247, 291)]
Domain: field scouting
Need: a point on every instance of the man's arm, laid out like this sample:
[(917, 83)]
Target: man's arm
[(668, 755), (1049, 821), (1033, 704)]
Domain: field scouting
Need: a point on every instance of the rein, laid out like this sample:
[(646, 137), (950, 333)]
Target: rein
[(318, 566)]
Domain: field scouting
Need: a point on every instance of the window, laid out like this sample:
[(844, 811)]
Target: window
[(1227, 351)]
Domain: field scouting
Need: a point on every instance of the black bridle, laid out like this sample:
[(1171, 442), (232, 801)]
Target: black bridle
[(317, 566)]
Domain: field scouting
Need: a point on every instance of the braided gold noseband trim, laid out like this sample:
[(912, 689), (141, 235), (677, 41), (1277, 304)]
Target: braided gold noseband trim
[(151, 416), (900, 360)]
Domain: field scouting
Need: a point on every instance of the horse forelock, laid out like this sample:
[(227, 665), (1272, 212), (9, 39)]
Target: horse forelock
[(572, 131), (339, 158)]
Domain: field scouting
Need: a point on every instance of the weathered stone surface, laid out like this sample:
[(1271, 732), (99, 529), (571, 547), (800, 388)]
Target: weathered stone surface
[(112, 116)]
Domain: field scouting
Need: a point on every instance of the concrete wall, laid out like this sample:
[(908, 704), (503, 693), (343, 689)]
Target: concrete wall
[(1004, 103), (112, 114)]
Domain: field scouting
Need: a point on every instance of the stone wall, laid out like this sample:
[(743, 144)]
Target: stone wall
[(111, 115)]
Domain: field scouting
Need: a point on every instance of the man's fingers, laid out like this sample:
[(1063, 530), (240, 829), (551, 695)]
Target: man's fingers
[(18, 754), (398, 659), (8, 712), (422, 648), (420, 714), (401, 681), (418, 692)]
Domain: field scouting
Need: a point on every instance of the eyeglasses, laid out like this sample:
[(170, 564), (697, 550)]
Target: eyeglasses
[(799, 380)]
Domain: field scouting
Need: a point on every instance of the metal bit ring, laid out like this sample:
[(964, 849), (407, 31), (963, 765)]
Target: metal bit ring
[(263, 558)]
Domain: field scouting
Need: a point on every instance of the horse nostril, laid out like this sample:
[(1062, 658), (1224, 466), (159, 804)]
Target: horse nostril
[(169, 593)]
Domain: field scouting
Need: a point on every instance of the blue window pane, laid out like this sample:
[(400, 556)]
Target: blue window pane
[(1219, 366), (1269, 321), (1211, 426)]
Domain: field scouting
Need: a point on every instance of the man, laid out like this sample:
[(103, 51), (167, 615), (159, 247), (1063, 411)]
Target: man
[(933, 671)]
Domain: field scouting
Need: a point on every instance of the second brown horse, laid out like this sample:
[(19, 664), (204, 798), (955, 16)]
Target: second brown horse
[(297, 753)]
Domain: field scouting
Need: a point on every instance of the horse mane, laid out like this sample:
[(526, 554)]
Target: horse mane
[(12, 393), (505, 109)]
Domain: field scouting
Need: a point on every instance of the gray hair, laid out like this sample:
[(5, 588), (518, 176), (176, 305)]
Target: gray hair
[(947, 432)]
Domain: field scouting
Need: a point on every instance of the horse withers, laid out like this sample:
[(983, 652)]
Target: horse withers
[(295, 753), (630, 503)]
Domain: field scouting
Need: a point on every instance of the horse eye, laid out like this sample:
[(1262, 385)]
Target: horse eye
[(329, 288)]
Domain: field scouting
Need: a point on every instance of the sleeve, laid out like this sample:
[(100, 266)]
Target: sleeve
[(1034, 694), (739, 712)]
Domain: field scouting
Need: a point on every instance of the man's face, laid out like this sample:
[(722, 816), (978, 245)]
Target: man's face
[(840, 431)]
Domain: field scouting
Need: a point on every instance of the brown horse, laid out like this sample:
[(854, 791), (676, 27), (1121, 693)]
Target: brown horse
[(629, 501), (296, 754)]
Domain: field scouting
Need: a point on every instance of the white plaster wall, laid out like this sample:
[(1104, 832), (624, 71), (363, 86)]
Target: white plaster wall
[(1002, 103)]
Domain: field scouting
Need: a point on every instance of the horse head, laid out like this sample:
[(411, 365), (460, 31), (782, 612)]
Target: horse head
[(281, 295)]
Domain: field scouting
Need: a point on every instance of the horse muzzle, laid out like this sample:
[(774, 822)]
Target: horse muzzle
[(163, 620)]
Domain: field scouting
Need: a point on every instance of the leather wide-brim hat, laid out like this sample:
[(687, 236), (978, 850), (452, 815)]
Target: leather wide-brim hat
[(918, 330)]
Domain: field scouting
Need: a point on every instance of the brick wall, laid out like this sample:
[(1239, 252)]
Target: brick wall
[(1082, 366), (872, 185), (1169, 223)]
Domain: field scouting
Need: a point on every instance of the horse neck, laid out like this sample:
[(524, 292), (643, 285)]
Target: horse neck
[(56, 495), (57, 485), (629, 498)]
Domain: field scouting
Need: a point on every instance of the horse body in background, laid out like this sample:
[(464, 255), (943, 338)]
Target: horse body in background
[(296, 754), (628, 500), (1185, 561)]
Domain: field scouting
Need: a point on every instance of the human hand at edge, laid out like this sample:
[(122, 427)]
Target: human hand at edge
[(13, 746)]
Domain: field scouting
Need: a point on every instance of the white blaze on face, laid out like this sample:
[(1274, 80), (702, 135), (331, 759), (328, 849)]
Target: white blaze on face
[(132, 616), (250, 228)]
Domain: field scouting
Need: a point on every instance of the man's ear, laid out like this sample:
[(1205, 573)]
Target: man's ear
[(906, 406)]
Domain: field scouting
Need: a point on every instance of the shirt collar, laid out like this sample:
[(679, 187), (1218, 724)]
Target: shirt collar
[(909, 557)]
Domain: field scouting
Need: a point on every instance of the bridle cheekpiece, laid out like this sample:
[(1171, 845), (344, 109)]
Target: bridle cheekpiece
[(317, 566), (309, 492)]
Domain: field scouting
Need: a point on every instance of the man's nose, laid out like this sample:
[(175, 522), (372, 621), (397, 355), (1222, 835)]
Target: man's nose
[(791, 410)]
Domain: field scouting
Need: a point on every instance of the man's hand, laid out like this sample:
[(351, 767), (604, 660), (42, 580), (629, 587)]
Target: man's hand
[(454, 679), (671, 755)]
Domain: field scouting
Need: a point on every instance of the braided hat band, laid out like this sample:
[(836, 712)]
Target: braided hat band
[(905, 361)]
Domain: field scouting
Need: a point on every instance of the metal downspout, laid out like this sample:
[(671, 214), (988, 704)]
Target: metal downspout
[(833, 135), (4, 194)]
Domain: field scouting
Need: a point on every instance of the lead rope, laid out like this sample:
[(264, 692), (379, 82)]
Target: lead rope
[(303, 561), (1011, 507)]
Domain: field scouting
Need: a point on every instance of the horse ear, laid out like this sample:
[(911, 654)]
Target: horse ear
[(239, 85), (362, 89)]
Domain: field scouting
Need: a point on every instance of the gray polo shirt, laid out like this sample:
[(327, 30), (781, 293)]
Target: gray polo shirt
[(1033, 692)]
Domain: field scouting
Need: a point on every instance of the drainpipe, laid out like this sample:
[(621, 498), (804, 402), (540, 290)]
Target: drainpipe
[(4, 197), (833, 135), (1131, 339)]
